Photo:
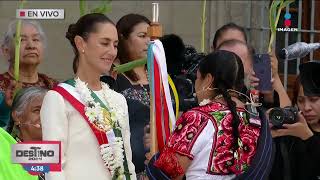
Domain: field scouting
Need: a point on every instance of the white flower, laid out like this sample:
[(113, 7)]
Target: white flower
[(111, 153), (91, 113)]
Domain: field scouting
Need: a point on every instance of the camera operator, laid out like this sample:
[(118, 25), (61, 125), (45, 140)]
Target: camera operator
[(298, 140), (182, 62)]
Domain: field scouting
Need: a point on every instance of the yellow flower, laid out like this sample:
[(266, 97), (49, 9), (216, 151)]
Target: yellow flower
[(107, 121)]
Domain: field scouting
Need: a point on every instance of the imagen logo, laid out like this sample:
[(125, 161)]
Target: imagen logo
[(40, 13), (37, 157), (287, 24)]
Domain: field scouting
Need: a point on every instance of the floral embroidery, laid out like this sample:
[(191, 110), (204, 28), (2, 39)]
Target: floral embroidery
[(225, 159), (188, 127), (218, 115), (169, 164), (141, 95)]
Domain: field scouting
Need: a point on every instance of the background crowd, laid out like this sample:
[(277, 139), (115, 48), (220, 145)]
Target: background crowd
[(216, 122)]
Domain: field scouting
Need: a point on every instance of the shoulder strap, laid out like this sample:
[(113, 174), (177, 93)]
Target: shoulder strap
[(71, 84), (80, 108), (101, 136)]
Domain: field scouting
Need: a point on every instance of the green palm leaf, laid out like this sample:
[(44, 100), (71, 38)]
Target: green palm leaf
[(82, 6), (17, 45), (103, 7), (274, 16), (130, 65)]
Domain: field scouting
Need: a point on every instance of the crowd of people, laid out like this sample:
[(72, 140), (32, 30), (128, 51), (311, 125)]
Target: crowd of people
[(102, 117)]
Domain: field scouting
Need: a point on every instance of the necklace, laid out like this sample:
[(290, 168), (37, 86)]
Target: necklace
[(106, 118)]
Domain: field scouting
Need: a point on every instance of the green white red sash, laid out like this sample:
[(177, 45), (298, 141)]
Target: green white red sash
[(68, 91)]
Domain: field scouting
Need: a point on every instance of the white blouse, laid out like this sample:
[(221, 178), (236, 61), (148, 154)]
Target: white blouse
[(81, 159)]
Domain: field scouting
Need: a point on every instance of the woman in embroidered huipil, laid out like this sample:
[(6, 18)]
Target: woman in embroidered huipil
[(215, 140), (89, 118)]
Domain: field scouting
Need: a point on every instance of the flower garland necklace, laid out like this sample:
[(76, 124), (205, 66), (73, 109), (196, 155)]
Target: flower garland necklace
[(105, 120)]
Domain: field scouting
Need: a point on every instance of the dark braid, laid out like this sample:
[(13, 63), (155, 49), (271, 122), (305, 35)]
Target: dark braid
[(227, 70), (235, 118)]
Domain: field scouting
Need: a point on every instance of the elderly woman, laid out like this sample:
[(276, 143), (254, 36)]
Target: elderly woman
[(31, 55), (25, 124)]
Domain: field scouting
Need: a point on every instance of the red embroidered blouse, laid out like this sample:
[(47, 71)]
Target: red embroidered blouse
[(204, 134)]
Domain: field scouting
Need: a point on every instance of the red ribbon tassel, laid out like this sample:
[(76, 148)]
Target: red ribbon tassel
[(158, 111), (161, 108)]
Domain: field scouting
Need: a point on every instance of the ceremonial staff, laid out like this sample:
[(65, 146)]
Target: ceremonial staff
[(154, 32), (162, 118)]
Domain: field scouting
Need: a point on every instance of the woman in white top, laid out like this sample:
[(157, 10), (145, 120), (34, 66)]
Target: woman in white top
[(221, 138), (89, 119)]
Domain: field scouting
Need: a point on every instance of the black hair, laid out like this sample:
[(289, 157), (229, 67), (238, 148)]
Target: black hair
[(83, 27), (174, 49), (227, 69), (296, 89), (225, 28), (239, 85), (125, 27)]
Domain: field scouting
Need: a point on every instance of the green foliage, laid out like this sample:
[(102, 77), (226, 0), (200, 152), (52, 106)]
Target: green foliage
[(274, 15), (17, 45), (103, 7), (130, 65), (203, 25)]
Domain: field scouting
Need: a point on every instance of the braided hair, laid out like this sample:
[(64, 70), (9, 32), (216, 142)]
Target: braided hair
[(227, 69)]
